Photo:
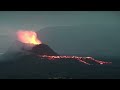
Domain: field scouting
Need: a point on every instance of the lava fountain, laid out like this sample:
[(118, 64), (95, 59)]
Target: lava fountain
[(28, 37)]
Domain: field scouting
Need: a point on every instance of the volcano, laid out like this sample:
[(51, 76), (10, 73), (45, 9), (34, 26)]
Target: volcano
[(19, 49), (30, 40), (30, 58), (43, 49), (21, 65)]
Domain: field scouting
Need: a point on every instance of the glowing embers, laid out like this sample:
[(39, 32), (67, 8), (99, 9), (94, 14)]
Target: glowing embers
[(84, 60), (29, 37)]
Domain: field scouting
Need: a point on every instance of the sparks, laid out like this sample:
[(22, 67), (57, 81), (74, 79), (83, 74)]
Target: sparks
[(29, 37)]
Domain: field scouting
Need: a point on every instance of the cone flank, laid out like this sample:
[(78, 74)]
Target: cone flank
[(43, 49)]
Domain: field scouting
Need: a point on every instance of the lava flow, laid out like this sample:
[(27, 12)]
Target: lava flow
[(29, 37), (80, 59)]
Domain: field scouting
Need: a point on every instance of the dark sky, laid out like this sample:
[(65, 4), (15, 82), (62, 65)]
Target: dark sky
[(106, 21)]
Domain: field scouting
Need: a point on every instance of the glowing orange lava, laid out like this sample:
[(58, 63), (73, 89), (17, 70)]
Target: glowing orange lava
[(29, 37), (80, 59)]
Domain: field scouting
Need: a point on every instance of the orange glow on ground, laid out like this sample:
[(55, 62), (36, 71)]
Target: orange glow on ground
[(29, 37)]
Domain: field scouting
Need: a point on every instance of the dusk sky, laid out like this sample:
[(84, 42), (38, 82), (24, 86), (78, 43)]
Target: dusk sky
[(11, 21)]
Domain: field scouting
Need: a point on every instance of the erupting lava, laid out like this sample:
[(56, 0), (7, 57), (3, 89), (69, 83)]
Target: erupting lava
[(29, 37), (80, 59)]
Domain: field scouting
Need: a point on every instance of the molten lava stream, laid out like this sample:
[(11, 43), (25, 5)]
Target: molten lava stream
[(80, 59), (30, 37)]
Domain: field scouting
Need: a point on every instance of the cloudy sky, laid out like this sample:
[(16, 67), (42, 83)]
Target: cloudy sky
[(11, 21)]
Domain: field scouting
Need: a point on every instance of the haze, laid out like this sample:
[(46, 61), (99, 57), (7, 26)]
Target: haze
[(106, 28)]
